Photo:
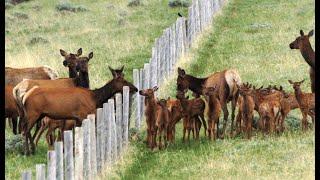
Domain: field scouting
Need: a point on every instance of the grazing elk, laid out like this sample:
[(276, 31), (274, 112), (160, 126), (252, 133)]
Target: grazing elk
[(66, 103), (214, 110), (225, 82), (191, 110), (306, 103), (303, 44)]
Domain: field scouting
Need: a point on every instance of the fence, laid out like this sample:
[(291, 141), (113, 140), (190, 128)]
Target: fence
[(104, 136), (172, 45)]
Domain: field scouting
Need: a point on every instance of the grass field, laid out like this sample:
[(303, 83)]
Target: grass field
[(251, 36), (117, 35)]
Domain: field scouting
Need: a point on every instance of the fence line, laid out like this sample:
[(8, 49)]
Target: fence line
[(101, 139)]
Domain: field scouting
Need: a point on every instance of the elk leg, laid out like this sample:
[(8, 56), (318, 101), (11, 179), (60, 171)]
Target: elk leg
[(14, 125), (233, 108), (38, 125), (238, 123), (303, 121), (209, 129), (225, 119), (42, 129)]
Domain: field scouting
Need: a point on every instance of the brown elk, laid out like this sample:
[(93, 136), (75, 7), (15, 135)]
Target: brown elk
[(303, 44), (15, 75), (66, 103), (11, 108), (225, 82), (246, 109), (214, 110), (191, 110), (150, 103), (162, 121), (306, 103), (176, 111)]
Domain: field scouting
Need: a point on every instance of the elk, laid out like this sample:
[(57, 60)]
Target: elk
[(306, 103), (162, 121), (11, 108), (66, 103), (150, 103), (176, 111), (214, 111), (303, 44), (15, 75), (246, 109), (225, 82), (191, 110)]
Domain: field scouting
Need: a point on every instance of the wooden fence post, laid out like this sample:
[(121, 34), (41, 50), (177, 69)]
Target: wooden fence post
[(113, 131), (99, 140), (136, 99), (125, 128), (68, 155), (26, 175), (141, 97), (93, 141), (106, 110), (40, 172), (78, 153), (58, 147), (119, 119), (52, 165), (86, 149)]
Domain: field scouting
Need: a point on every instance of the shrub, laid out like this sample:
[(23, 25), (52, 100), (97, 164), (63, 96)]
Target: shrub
[(134, 3), (66, 6), (21, 15), (15, 143), (178, 3), (36, 40)]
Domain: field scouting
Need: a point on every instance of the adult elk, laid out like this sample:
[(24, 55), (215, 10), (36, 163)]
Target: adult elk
[(225, 81), (303, 44), (66, 103)]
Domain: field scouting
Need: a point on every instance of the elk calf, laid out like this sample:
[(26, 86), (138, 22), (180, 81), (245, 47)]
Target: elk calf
[(162, 121), (306, 103), (213, 112)]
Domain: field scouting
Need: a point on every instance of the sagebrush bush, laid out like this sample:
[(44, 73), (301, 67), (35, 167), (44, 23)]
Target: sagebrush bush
[(134, 3), (67, 6), (14, 143), (178, 3)]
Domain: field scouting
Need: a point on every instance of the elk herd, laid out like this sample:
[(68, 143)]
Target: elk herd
[(46, 102)]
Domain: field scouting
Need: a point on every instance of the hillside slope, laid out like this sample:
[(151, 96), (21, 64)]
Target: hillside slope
[(253, 37)]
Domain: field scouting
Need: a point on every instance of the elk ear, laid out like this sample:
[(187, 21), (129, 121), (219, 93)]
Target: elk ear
[(301, 33), (63, 53), (121, 69), (281, 88), (301, 81), (155, 88), (187, 97), (181, 72), (79, 52), (112, 71), (290, 81), (310, 33), (168, 98), (90, 55)]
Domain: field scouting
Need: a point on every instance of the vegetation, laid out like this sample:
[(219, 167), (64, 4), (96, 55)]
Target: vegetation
[(257, 45), (117, 35)]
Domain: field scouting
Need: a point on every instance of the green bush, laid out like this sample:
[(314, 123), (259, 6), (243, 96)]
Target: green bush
[(134, 3), (66, 6), (178, 3), (14, 143)]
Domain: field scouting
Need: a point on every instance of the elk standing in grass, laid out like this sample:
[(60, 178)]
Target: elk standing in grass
[(191, 110), (176, 111), (150, 103), (214, 110), (66, 103), (303, 44), (162, 121), (306, 103), (225, 82)]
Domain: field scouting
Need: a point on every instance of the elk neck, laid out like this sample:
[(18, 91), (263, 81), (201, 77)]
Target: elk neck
[(308, 54), (103, 94), (196, 84)]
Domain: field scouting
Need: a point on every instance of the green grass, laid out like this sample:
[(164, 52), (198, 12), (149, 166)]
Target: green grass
[(253, 37), (117, 35)]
